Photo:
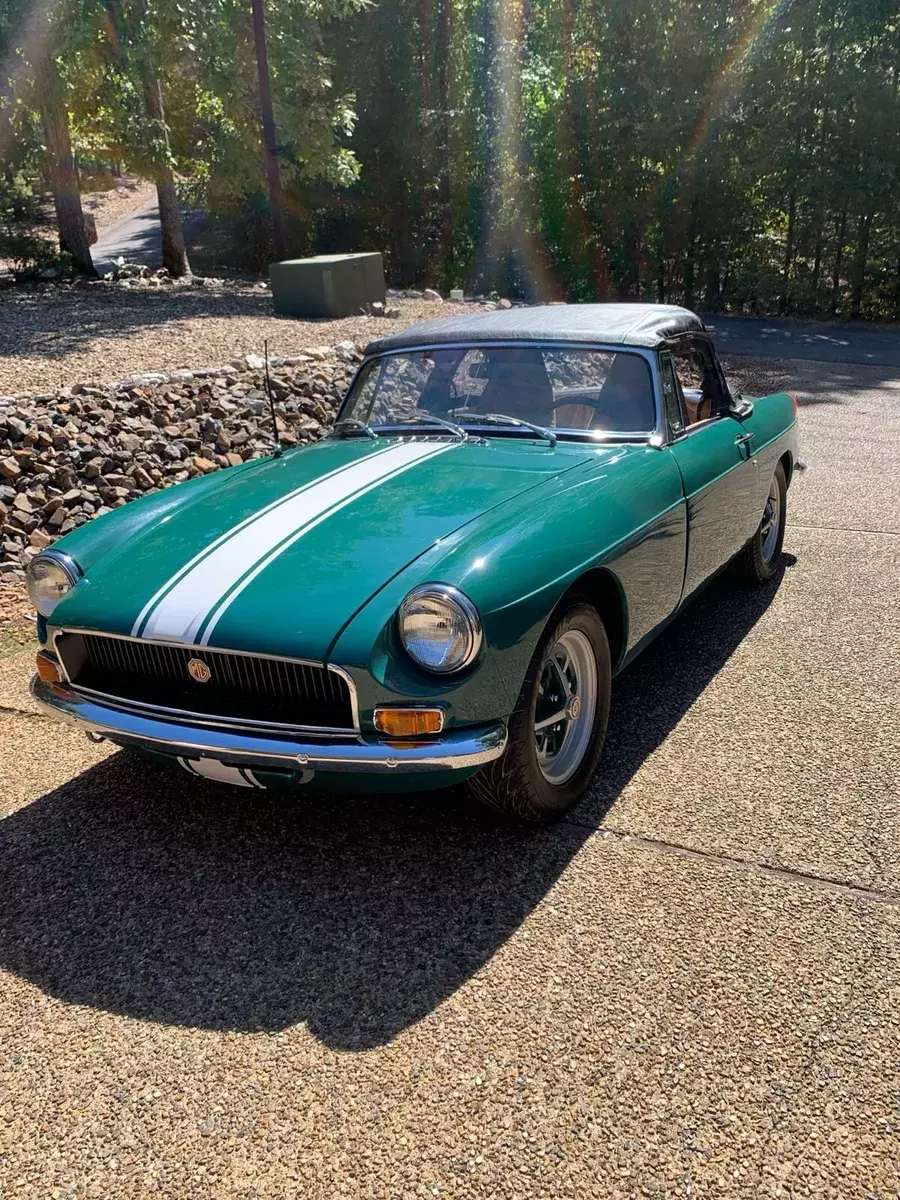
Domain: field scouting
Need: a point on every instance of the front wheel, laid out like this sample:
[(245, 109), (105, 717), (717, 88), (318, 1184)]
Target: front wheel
[(558, 728), (759, 559)]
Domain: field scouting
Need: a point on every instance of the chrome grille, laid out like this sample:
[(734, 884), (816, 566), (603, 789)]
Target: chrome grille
[(250, 688)]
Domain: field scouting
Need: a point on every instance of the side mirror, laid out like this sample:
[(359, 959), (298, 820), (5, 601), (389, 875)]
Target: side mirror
[(740, 407)]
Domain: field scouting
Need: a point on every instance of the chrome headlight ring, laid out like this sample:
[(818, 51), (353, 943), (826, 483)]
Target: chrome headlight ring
[(440, 628), (50, 576)]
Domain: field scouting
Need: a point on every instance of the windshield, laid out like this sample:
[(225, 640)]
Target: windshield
[(569, 390)]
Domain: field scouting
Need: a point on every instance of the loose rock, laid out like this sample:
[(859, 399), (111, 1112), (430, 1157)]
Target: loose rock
[(69, 456)]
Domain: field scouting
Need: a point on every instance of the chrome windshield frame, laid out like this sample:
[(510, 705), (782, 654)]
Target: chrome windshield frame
[(655, 437)]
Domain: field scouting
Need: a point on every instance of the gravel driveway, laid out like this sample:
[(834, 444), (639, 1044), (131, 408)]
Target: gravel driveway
[(688, 989), (53, 337)]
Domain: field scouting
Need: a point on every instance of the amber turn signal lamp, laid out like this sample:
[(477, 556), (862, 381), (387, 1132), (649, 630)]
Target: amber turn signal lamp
[(47, 669), (407, 722)]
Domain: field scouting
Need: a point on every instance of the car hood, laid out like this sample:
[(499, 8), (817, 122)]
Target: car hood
[(281, 554)]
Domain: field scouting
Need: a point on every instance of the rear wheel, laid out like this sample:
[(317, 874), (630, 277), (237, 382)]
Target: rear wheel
[(759, 559), (557, 731)]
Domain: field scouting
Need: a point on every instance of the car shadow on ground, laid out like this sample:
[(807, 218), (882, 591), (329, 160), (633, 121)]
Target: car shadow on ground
[(151, 894)]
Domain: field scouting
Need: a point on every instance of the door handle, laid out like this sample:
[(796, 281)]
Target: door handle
[(744, 441)]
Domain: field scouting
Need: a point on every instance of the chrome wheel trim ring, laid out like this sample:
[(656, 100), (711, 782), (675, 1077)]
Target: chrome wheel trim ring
[(566, 707), (771, 521)]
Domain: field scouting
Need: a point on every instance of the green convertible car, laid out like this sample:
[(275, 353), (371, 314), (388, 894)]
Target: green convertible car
[(509, 507)]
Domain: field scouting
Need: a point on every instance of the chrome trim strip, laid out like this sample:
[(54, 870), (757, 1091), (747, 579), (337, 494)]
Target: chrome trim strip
[(458, 749), (66, 561), (193, 718), (303, 662)]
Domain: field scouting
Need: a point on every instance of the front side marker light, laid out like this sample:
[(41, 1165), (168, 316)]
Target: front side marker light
[(408, 722), (47, 668)]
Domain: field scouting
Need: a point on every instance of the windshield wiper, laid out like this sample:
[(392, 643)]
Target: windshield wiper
[(505, 419), (350, 425)]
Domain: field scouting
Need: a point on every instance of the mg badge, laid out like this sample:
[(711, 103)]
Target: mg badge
[(199, 671)]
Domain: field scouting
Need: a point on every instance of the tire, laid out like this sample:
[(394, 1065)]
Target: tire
[(517, 784), (758, 561)]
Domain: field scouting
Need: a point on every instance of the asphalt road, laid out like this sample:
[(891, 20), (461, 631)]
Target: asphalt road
[(688, 989), (137, 238), (821, 341)]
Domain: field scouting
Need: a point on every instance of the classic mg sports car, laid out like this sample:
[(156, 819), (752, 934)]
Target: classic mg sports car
[(510, 506)]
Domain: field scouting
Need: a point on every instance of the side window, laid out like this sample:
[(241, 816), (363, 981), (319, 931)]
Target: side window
[(700, 380), (671, 396)]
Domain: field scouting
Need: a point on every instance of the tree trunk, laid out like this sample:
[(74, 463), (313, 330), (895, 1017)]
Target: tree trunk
[(174, 255), (785, 298), (713, 288), (61, 168), (817, 268), (838, 260), (487, 70), (689, 264), (859, 265), (446, 148), (273, 173)]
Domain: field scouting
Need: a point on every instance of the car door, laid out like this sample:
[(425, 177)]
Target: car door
[(715, 455)]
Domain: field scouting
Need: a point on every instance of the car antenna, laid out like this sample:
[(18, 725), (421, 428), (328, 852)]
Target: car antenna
[(277, 452)]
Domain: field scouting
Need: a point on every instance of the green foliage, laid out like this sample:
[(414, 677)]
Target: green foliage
[(691, 152), (24, 250), (29, 254), (737, 155), (204, 57)]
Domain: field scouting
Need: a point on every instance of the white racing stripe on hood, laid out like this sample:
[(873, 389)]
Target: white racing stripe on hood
[(170, 583), (206, 588)]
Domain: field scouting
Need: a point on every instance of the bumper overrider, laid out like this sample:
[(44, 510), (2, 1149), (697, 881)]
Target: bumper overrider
[(461, 749)]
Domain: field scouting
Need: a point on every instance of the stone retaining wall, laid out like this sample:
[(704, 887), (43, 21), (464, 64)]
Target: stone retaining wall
[(72, 455)]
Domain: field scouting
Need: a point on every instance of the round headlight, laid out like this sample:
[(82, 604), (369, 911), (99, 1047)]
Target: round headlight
[(50, 577), (440, 628)]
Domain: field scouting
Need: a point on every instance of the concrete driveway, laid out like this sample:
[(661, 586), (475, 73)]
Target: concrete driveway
[(688, 989)]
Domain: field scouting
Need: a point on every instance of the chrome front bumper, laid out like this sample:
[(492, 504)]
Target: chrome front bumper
[(460, 749)]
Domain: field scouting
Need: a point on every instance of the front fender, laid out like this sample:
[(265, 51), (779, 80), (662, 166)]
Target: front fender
[(624, 512)]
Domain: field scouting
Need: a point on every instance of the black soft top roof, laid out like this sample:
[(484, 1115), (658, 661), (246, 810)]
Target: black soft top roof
[(645, 325)]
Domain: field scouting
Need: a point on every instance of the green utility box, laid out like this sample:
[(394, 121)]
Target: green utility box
[(329, 285)]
